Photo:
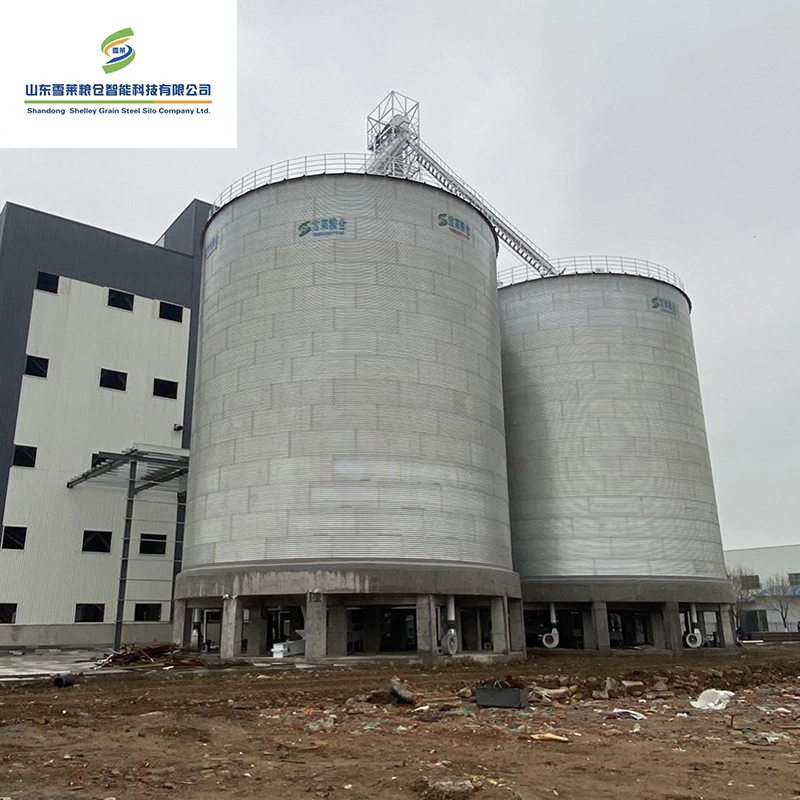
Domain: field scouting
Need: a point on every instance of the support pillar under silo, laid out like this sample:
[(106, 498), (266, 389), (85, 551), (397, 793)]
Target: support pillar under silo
[(499, 625), (230, 638), (181, 623), (599, 623), (516, 626), (726, 629), (337, 630), (427, 635), (316, 626), (673, 635)]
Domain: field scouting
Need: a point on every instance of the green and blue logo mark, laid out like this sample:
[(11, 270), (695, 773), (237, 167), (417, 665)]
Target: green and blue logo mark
[(121, 53)]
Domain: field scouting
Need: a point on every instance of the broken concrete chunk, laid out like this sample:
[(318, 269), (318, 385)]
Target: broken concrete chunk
[(402, 690)]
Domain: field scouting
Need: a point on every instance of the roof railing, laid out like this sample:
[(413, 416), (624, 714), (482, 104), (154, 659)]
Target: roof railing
[(582, 265)]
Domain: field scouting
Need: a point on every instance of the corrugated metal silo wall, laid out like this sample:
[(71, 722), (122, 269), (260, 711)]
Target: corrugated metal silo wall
[(609, 472), (349, 404)]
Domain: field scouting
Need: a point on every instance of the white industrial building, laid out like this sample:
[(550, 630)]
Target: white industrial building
[(768, 582)]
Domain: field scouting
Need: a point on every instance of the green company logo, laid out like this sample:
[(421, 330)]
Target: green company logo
[(329, 226), (456, 225), (115, 46)]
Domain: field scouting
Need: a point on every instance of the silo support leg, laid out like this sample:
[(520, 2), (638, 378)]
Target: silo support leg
[(427, 635), (181, 623), (230, 644), (602, 641), (337, 630), (672, 627), (316, 627), (499, 625), (727, 633), (516, 626)]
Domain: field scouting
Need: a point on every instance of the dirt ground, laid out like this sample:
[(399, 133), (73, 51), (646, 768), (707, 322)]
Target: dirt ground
[(245, 733)]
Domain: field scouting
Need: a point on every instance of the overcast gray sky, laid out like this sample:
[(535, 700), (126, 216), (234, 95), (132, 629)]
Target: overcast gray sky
[(662, 130)]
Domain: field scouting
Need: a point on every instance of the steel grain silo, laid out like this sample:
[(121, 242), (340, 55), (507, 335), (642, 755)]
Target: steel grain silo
[(613, 513), (348, 470)]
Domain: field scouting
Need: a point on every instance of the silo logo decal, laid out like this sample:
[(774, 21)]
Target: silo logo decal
[(665, 305), (330, 226), (212, 244), (121, 53), (457, 226)]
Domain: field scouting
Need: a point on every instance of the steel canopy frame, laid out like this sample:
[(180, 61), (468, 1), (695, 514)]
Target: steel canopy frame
[(140, 468)]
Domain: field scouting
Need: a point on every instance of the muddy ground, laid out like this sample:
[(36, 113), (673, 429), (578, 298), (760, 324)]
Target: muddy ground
[(311, 733)]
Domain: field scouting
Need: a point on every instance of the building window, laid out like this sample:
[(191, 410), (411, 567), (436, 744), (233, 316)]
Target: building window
[(794, 579), (123, 300), (147, 612), (14, 538), (111, 379), (46, 282), (89, 612), (751, 582), (96, 542), (153, 544), (170, 311), (8, 613), (163, 388), (36, 366), (24, 455)]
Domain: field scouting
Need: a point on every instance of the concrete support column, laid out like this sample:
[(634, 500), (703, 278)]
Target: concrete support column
[(516, 626), (337, 630), (372, 629), (589, 638), (427, 635), (657, 628), (256, 633), (499, 625), (230, 644), (316, 626), (182, 623), (672, 627), (727, 633), (599, 624)]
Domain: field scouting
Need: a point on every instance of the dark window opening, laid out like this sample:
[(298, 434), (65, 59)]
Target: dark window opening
[(794, 578), (164, 388), (96, 541), (111, 379), (14, 538), (46, 282), (8, 613), (89, 612), (24, 455), (37, 366), (153, 544), (147, 612), (751, 582), (170, 311), (123, 300)]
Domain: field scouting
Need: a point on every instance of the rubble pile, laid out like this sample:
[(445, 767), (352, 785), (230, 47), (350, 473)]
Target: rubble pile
[(162, 654)]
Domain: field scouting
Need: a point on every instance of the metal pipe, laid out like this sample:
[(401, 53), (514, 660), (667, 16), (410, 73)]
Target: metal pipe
[(126, 549), (553, 619), (693, 615), (451, 611)]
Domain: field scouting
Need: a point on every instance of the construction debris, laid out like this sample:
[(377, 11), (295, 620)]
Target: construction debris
[(166, 655)]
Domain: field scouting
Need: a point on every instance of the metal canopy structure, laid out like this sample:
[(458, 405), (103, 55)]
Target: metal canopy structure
[(138, 469), (397, 150), (162, 469)]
